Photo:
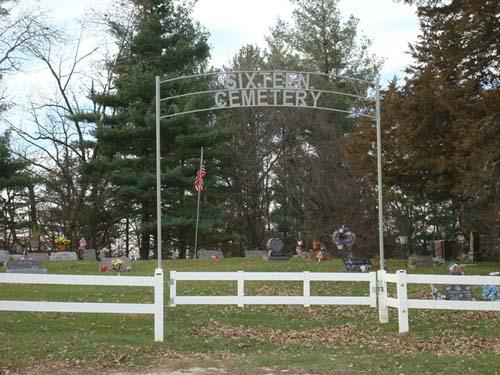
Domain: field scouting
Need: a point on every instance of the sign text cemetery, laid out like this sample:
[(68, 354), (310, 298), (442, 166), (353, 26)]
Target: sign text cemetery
[(250, 89)]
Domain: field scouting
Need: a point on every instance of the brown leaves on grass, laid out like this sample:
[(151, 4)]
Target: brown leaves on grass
[(448, 342), (335, 336)]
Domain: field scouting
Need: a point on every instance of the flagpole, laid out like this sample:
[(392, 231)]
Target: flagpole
[(198, 211)]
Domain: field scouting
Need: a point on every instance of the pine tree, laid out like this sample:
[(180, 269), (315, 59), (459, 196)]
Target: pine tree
[(165, 42), (444, 120)]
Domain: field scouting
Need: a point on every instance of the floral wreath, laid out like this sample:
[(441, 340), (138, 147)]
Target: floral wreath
[(344, 237)]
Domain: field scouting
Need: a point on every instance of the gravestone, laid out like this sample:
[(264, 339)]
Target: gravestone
[(458, 293), (423, 261), (89, 254), (25, 266), (4, 255), (256, 253), (106, 264), (357, 264), (210, 254), (276, 252), (63, 256), (42, 257)]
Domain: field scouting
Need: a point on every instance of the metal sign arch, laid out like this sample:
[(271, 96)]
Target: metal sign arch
[(269, 88)]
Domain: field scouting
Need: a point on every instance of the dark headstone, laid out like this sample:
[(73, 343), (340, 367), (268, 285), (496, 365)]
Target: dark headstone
[(276, 252), (475, 248), (25, 266), (89, 254), (210, 254), (106, 264), (355, 264), (63, 256), (423, 261), (458, 293)]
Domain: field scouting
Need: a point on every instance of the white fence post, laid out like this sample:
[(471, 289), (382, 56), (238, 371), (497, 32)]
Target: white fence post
[(173, 288), (241, 288), (158, 305), (307, 289), (383, 310), (402, 287)]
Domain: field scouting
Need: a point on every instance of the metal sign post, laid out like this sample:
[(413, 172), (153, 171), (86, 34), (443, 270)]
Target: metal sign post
[(379, 175), (158, 173)]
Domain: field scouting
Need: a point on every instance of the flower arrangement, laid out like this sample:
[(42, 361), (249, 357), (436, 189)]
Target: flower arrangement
[(103, 268), (463, 257), (412, 262), (62, 242), (319, 256), (437, 261), (344, 237), (116, 264)]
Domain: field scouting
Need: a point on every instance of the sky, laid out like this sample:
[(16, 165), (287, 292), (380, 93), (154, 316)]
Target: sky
[(234, 23)]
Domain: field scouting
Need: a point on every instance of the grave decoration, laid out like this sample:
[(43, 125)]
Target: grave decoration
[(116, 264), (437, 261), (318, 256), (210, 254), (25, 266), (490, 292), (299, 248), (455, 269), (62, 242), (106, 264), (343, 237), (275, 250)]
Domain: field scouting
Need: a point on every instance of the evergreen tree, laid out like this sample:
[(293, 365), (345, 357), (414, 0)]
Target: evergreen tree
[(441, 136), (164, 42), (316, 189)]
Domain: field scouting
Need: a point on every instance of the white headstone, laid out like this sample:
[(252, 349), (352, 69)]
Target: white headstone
[(4, 255), (63, 256), (256, 253), (89, 254), (42, 257)]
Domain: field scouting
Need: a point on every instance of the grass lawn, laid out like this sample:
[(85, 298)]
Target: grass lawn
[(326, 340)]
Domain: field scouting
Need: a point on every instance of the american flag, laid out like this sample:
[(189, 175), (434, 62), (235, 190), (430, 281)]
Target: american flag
[(198, 180)]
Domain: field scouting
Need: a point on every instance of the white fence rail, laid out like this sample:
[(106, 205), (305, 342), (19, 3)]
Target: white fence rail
[(241, 299), (155, 308), (402, 303)]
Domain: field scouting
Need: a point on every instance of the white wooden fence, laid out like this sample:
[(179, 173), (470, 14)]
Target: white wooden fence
[(155, 308), (241, 299), (402, 303)]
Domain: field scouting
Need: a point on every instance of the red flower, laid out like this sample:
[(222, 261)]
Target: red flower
[(103, 268)]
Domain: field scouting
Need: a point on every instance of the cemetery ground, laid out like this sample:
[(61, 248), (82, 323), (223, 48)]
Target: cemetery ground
[(249, 340)]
